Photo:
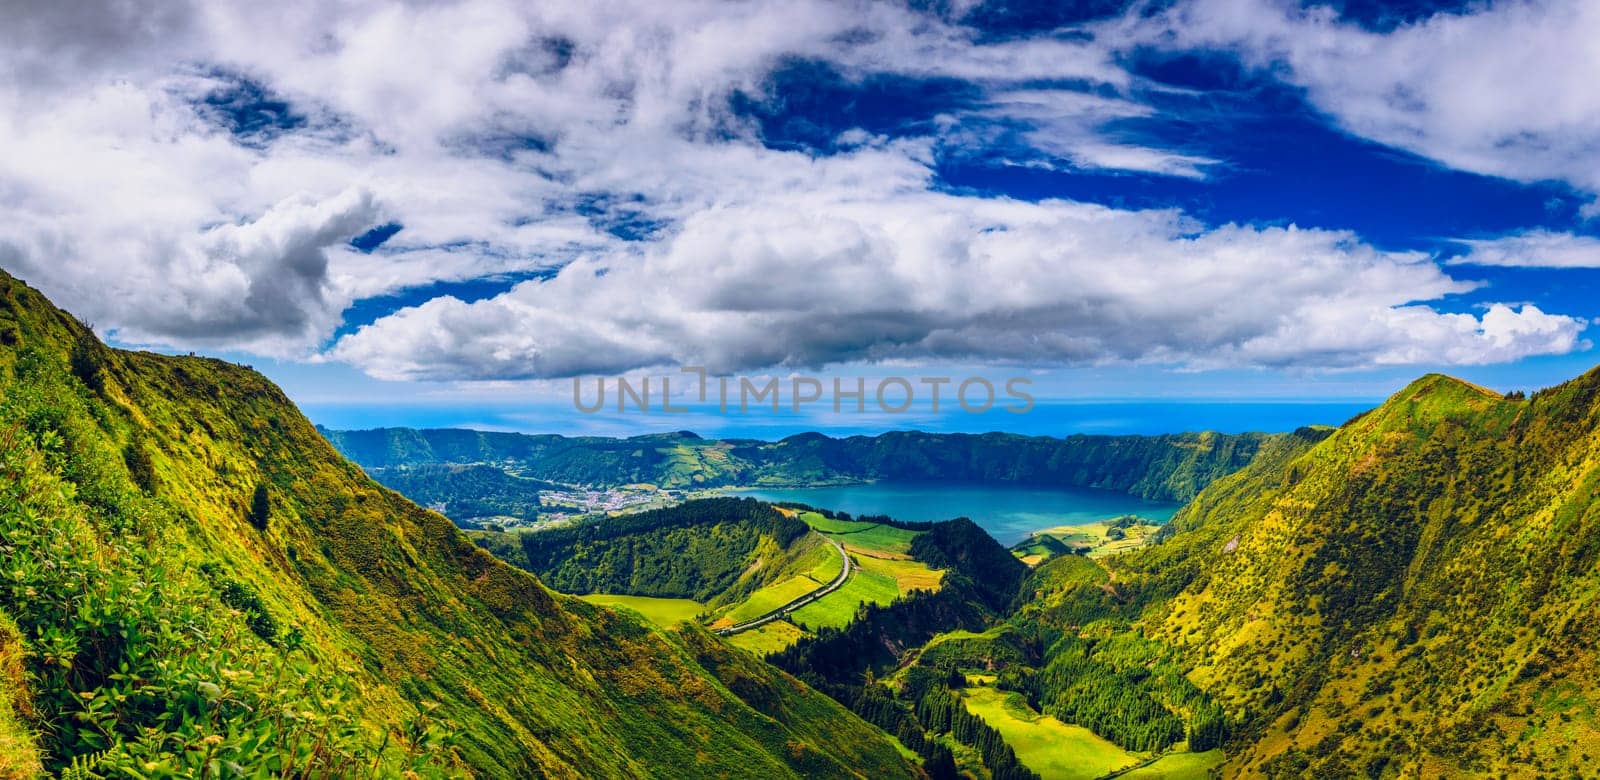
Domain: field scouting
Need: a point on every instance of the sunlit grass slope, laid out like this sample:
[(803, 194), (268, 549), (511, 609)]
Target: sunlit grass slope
[(198, 579), (1414, 595)]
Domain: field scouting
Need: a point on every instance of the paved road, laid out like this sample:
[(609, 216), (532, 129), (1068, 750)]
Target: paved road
[(838, 582)]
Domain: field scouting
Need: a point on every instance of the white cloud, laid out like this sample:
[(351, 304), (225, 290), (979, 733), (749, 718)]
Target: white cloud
[(1532, 249), (494, 131), (803, 281), (1505, 89), (117, 173), (1070, 125)]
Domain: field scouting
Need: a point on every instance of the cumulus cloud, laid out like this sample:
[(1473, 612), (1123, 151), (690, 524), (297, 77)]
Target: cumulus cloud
[(1532, 249), (262, 285), (1504, 89), (192, 180), (505, 137), (803, 283)]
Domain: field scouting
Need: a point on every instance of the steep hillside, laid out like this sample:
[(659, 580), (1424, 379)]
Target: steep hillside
[(710, 551), (1414, 596), (1168, 468), (198, 580)]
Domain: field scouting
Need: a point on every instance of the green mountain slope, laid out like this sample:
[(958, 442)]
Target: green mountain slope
[(714, 551), (1169, 467), (463, 492), (197, 579), (1413, 596)]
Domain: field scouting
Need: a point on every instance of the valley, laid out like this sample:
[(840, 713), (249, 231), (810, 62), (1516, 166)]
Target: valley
[(822, 390), (1268, 629), (1410, 594)]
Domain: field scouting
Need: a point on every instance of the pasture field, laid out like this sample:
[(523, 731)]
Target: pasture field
[(882, 541), (770, 638), (960, 634), (830, 526), (773, 596), (909, 575), (662, 612), (1056, 750), (872, 538), (822, 564), (1179, 766), (838, 608)]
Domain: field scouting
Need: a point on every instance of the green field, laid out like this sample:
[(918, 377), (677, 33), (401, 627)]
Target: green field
[(822, 565), (1179, 766), (838, 608), (879, 539), (770, 598), (909, 575), (1056, 750), (770, 638), (662, 612), (831, 526), (863, 537)]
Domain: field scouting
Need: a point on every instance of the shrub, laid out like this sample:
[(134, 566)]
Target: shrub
[(141, 469), (260, 507), (86, 366)]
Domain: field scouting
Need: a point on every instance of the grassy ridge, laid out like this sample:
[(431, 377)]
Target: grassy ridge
[(1414, 595), (204, 538)]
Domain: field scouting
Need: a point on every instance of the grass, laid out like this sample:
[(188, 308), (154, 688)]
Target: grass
[(822, 564), (163, 609), (19, 756), (856, 536), (771, 597), (960, 634), (1055, 750), (881, 539), (838, 608), (660, 611), (1092, 535), (1179, 766), (770, 638), (908, 575), (830, 526)]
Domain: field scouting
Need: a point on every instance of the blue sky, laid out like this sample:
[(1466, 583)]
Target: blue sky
[(1242, 212)]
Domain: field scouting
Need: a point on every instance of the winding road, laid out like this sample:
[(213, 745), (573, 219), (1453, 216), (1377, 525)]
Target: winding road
[(838, 582)]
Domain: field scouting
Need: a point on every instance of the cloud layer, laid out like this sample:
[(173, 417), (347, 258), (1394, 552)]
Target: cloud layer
[(805, 281), (192, 177)]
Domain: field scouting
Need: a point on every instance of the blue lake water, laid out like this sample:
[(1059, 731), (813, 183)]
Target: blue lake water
[(1007, 512)]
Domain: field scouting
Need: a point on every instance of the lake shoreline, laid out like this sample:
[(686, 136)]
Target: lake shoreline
[(1009, 512)]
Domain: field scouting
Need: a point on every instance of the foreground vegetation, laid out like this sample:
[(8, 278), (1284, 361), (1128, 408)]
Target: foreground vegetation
[(1411, 595), (192, 581)]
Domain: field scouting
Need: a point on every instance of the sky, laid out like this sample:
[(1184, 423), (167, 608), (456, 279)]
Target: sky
[(1215, 213)]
